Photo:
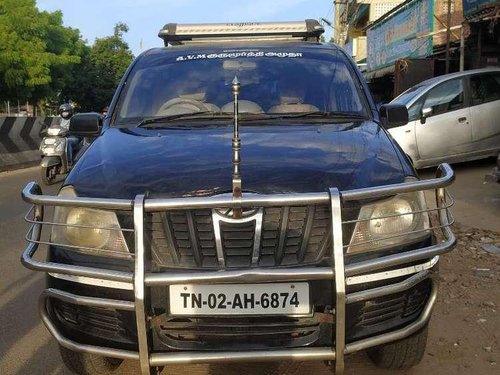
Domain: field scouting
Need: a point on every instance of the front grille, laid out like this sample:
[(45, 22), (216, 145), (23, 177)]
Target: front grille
[(392, 307), (289, 236), (237, 333), (100, 322)]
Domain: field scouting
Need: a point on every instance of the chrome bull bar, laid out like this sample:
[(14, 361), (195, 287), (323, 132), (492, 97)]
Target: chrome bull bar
[(142, 278)]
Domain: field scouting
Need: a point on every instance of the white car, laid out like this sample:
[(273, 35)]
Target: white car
[(452, 118)]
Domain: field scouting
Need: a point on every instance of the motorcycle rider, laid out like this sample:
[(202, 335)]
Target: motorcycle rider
[(66, 112)]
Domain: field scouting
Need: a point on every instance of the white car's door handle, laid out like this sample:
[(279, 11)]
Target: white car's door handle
[(462, 120), (408, 131)]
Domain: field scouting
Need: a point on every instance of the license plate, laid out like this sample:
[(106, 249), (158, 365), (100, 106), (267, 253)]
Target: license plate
[(240, 299)]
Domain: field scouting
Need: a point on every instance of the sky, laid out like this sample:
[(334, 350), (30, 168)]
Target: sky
[(96, 18)]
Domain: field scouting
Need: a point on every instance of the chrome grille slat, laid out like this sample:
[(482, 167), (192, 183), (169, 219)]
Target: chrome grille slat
[(288, 236)]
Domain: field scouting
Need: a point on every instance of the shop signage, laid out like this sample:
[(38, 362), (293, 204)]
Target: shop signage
[(396, 37)]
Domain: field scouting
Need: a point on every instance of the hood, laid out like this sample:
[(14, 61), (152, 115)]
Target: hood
[(124, 162)]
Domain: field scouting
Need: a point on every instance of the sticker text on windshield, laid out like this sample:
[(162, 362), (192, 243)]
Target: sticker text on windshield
[(234, 55)]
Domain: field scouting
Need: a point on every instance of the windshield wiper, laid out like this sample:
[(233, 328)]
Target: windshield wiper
[(205, 115), (319, 114), (245, 117), (249, 117)]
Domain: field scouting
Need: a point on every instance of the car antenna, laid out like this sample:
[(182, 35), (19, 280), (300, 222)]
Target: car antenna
[(237, 211)]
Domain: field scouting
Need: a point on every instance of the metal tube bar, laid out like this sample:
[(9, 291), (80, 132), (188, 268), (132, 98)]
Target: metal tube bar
[(392, 273), (68, 269), (422, 231), (448, 205), (413, 255), (398, 259), (139, 288), (313, 354), (84, 249), (89, 301), (387, 289), (248, 201), (446, 179), (306, 354), (339, 280), (32, 194), (301, 199), (399, 334), (71, 345), (255, 275), (31, 221)]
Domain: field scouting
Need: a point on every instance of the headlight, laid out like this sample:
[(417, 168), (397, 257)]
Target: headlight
[(49, 141), (53, 131), (88, 230), (396, 221), (53, 144)]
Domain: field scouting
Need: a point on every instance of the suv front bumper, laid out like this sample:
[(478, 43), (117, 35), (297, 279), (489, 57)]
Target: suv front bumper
[(340, 274)]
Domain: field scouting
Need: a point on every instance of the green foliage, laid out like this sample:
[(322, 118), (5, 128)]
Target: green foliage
[(32, 43), (109, 57), (41, 60)]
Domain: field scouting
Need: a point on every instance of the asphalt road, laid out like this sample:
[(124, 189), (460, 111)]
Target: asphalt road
[(27, 348)]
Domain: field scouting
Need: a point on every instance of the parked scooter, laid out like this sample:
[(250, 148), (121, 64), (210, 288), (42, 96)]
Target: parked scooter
[(58, 147)]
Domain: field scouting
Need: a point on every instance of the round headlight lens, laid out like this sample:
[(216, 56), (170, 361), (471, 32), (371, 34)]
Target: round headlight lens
[(395, 224), (92, 237)]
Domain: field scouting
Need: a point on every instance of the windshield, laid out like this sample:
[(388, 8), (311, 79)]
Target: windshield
[(272, 82), (409, 94)]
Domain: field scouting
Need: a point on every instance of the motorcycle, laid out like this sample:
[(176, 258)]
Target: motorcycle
[(55, 154)]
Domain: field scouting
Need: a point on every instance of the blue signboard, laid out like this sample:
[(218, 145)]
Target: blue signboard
[(472, 6), (395, 37)]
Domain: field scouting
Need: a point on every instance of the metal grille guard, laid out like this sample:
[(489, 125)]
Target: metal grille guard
[(338, 274)]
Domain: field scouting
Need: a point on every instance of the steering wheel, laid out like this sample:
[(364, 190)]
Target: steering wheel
[(185, 106)]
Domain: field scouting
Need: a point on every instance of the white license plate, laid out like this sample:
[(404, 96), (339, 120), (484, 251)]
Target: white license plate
[(240, 299)]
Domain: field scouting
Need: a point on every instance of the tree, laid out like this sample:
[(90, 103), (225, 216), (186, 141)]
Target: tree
[(100, 71), (41, 60), (35, 48)]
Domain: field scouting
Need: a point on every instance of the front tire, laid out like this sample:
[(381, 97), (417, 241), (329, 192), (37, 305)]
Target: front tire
[(48, 175), (402, 354), (89, 364)]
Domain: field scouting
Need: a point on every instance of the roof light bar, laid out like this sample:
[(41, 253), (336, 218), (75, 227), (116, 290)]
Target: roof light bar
[(175, 34)]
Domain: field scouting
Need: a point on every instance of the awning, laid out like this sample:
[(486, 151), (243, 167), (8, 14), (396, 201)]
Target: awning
[(360, 11), (485, 14), (380, 72)]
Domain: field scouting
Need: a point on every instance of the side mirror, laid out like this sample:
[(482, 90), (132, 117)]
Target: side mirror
[(426, 112), (85, 124), (393, 115)]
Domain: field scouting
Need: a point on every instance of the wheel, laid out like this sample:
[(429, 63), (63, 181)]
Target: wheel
[(48, 175), (402, 354), (89, 364)]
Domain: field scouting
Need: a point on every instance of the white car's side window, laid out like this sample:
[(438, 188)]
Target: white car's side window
[(415, 110), (446, 97), (485, 88)]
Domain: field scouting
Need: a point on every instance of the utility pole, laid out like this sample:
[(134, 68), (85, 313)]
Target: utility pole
[(336, 22), (462, 48), (448, 21)]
